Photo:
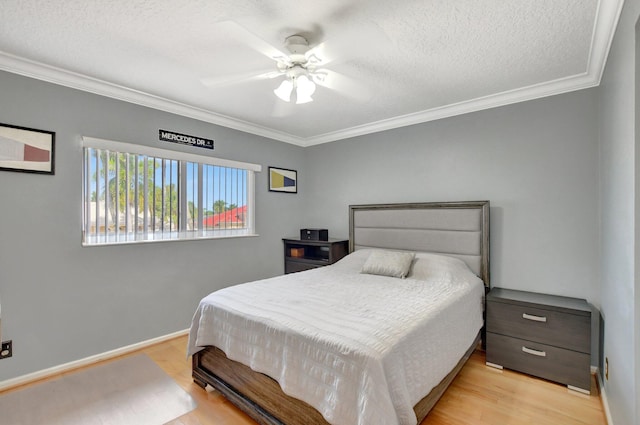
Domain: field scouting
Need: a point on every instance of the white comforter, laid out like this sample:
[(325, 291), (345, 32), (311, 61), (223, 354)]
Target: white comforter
[(361, 349)]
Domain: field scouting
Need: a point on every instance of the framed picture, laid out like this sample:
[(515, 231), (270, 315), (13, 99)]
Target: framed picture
[(26, 149), (283, 180)]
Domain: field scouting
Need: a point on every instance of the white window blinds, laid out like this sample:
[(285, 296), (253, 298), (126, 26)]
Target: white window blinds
[(133, 193)]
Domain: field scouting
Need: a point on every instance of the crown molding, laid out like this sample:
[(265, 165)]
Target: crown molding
[(605, 24), (537, 91), (607, 18)]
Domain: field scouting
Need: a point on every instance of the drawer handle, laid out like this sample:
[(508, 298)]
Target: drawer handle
[(534, 352), (534, 318)]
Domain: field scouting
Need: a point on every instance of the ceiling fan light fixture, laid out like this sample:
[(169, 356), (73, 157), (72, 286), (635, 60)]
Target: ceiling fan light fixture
[(303, 98), (284, 90), (302, 85), (304, 89)]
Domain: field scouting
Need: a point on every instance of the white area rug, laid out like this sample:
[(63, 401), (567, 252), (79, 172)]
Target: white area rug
[(130, 391)]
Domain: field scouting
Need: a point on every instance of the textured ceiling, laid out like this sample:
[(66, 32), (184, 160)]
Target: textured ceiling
[(400, 62)]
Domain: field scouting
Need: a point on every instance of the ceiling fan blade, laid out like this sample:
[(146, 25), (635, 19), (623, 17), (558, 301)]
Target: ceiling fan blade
[(347, 86), (227, 80), (367, 40), (253, 41)]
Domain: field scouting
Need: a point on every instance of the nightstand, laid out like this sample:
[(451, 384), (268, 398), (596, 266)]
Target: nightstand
[(543, 335), (300, 255)]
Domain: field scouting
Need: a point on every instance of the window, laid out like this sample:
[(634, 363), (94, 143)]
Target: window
[(134, 193)]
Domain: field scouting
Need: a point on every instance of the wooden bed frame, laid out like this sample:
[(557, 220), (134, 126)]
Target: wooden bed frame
[(261, 397)]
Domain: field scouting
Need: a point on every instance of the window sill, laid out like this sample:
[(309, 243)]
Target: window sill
[(230, 235)]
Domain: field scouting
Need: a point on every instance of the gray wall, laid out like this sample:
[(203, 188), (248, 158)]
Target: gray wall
[(537, 162), (636, 322), (619, 187), (62, 302)]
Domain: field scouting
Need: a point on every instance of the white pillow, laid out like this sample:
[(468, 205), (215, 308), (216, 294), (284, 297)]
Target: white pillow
[(388, 263), (429, 266)]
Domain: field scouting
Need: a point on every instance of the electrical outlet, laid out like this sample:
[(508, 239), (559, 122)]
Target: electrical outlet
[(6, 350)]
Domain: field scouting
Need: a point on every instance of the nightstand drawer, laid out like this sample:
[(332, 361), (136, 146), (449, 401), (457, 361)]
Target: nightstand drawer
[(295, 266), (554, 328), (552, 363)]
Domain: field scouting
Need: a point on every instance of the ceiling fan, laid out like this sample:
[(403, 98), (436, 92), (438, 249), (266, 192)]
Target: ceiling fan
[(304, 67), (300, 71)]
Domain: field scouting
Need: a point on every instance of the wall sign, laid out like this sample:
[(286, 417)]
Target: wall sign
[(184, 139)]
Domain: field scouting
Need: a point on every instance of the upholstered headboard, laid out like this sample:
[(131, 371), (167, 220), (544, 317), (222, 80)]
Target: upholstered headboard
[(457, 229)]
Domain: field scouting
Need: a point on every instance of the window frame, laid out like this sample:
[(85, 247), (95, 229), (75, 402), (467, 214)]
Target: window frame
[(182, 157)]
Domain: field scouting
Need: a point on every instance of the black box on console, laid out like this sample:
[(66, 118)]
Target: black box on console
[(314, 234)]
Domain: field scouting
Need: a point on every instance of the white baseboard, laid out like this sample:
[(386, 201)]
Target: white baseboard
[(605, 402), (45, 373)]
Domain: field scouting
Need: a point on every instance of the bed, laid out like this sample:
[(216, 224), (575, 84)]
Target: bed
[(373, 373)]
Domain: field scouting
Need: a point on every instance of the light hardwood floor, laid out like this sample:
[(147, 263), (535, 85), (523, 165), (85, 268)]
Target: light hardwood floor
[(479, 395)]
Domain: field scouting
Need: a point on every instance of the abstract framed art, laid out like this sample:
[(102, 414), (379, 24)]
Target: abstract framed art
[(283, 180), (26, 149)]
